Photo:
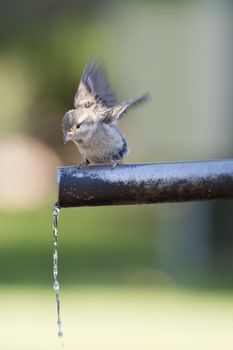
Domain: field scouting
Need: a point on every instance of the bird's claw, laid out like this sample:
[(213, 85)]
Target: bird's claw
[(114, 163), (81, 165)]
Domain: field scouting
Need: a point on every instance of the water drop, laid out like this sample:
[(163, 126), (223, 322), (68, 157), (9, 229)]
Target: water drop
[(56, 286)]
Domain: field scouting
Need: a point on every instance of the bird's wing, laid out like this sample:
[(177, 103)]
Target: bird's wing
[(94, 88), (117, 112)]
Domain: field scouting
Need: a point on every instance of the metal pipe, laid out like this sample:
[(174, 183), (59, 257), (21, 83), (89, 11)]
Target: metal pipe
[(145, 183)]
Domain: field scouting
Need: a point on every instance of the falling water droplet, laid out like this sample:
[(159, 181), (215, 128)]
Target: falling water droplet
[(56, 286)]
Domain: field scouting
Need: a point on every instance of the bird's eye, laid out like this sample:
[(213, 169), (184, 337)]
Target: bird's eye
[(78, 126)]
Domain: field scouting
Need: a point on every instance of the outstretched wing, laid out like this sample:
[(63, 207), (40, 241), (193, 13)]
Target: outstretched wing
[(117, 112), (94, 88)]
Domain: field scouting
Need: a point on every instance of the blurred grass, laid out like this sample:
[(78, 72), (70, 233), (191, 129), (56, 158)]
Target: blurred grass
[(98, 245), (105, 245), (116, 318)]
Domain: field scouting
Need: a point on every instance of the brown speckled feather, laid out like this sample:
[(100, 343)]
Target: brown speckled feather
[(94, 88)]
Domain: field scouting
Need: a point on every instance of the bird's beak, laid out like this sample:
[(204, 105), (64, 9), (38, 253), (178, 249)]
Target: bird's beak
[(67, 137)]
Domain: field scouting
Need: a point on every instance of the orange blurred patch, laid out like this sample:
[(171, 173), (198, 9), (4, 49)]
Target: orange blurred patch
[(28, 175)]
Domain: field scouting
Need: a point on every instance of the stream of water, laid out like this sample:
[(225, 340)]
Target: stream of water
[(56, 286)]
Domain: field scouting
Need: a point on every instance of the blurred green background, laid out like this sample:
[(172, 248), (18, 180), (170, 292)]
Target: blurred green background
[(133, 277)]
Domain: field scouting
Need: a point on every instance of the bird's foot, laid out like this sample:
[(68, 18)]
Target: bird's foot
[(81, 165), (114, 163)]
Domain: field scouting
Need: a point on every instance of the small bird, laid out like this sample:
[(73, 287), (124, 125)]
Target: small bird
[(92, 124)]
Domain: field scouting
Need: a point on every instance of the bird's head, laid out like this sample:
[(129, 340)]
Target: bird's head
[(78, 125)]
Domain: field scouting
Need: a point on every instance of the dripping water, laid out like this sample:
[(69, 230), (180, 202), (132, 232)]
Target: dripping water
[(56, 286)]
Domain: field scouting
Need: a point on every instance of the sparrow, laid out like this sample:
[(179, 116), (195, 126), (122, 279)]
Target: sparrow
[(92, 124)]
